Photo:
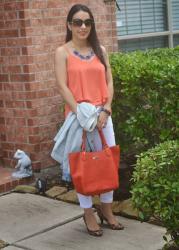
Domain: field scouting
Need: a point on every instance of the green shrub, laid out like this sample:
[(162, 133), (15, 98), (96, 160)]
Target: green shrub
[(155, 188), (146, 98)]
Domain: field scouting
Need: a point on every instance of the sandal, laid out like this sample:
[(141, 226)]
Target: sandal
[(102, 218), (96, 233)]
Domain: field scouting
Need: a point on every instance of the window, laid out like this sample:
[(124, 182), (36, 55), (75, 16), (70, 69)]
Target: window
[(143, 43), (175, 15), (143, 24)]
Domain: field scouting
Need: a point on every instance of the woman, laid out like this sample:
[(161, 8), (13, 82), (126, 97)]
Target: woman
[(83, 75)]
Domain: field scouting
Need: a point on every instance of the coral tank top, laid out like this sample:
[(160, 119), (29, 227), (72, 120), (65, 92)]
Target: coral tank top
[(86, 79)]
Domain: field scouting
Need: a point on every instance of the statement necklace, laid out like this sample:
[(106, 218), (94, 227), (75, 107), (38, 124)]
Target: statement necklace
[(83, 57)]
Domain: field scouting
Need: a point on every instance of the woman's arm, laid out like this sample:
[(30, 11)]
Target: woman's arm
[(61, 77), (103, 117), (109, 81)]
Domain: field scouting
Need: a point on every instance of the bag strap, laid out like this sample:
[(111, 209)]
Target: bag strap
[(103, 140)]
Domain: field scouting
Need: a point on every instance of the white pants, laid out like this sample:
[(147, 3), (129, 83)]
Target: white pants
[(86, 201)]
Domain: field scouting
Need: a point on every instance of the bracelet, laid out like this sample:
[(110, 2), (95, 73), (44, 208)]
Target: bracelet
[(108, 112)]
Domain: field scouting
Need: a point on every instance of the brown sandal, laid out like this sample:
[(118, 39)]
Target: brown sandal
[(96, 233), (118, 226)]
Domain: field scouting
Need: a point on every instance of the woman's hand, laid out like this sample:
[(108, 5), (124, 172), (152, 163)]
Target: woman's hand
[(102, 120)]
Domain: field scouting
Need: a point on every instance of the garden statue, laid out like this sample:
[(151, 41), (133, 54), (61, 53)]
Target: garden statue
[(24, 168)]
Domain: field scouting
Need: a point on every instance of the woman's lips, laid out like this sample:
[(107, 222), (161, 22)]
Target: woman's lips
[(82, 33)]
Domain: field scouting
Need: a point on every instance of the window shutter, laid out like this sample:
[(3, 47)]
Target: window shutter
[(175, 12), (144, 16)]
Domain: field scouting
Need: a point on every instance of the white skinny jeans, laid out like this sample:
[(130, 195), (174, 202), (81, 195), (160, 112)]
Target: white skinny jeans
[(86, 201)]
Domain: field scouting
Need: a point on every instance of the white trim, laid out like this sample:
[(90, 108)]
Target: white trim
[(164, 33), (154, 34), (170, 23)]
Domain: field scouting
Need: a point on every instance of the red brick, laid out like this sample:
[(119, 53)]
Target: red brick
[(36, 4), (2, 120), (19, 42), (36, 13), (3, 42), (22, 77), (5, 154), (2, 188), (22, 145), (4, 78), (1, 104), (29, 104), (54, 4), (10, 6), (25, 23), (33, 148), (13, 87), (21, 14), (14, 60), (10, 15), (16, 6), (33, 130), (2, 25), (33, 86), (34, 139), (31, 122), (12, 24), (8, 186), (37, 22), (12, 69), (10, 51), (15, 183), (14, 104), (7, 146), (16, 121), (9, 33), (24, 51), (3, 137), (3, 128)]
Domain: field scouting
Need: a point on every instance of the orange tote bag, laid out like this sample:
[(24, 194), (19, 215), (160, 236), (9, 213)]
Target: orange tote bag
[(95, 172)]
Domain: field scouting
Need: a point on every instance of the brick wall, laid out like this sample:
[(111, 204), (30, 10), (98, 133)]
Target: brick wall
[(30, 104)]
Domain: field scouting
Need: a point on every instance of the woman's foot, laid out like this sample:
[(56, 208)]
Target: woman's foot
[(105, 214), (91, 224)]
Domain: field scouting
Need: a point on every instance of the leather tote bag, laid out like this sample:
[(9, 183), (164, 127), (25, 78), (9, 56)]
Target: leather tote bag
[(95, 172)]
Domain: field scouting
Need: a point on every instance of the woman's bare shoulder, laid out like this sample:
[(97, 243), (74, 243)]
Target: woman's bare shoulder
[(60, 51), (63, 51)]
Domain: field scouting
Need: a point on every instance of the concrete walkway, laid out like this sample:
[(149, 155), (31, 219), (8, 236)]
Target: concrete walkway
[(33, 222)]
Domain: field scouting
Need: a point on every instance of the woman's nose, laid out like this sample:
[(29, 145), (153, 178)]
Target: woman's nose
[(83, 25)]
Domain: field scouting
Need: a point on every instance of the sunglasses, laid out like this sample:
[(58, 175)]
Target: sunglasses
[(79, 22)]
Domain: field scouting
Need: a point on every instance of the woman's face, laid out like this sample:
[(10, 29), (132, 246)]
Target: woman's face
[(81, 25)]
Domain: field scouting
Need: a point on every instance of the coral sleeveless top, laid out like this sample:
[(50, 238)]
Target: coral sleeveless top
[(86, 79)]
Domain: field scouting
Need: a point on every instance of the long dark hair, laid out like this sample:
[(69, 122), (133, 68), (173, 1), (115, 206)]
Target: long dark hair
[(92, 38)]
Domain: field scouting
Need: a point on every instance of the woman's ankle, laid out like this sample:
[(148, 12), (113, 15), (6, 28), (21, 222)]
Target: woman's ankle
[(88, 211), (91, 219), (106, 208)]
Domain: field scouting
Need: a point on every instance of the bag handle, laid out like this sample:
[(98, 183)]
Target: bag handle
[(103, 140)]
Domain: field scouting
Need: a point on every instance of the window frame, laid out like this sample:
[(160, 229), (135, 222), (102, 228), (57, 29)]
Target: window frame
[(169, 33)]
